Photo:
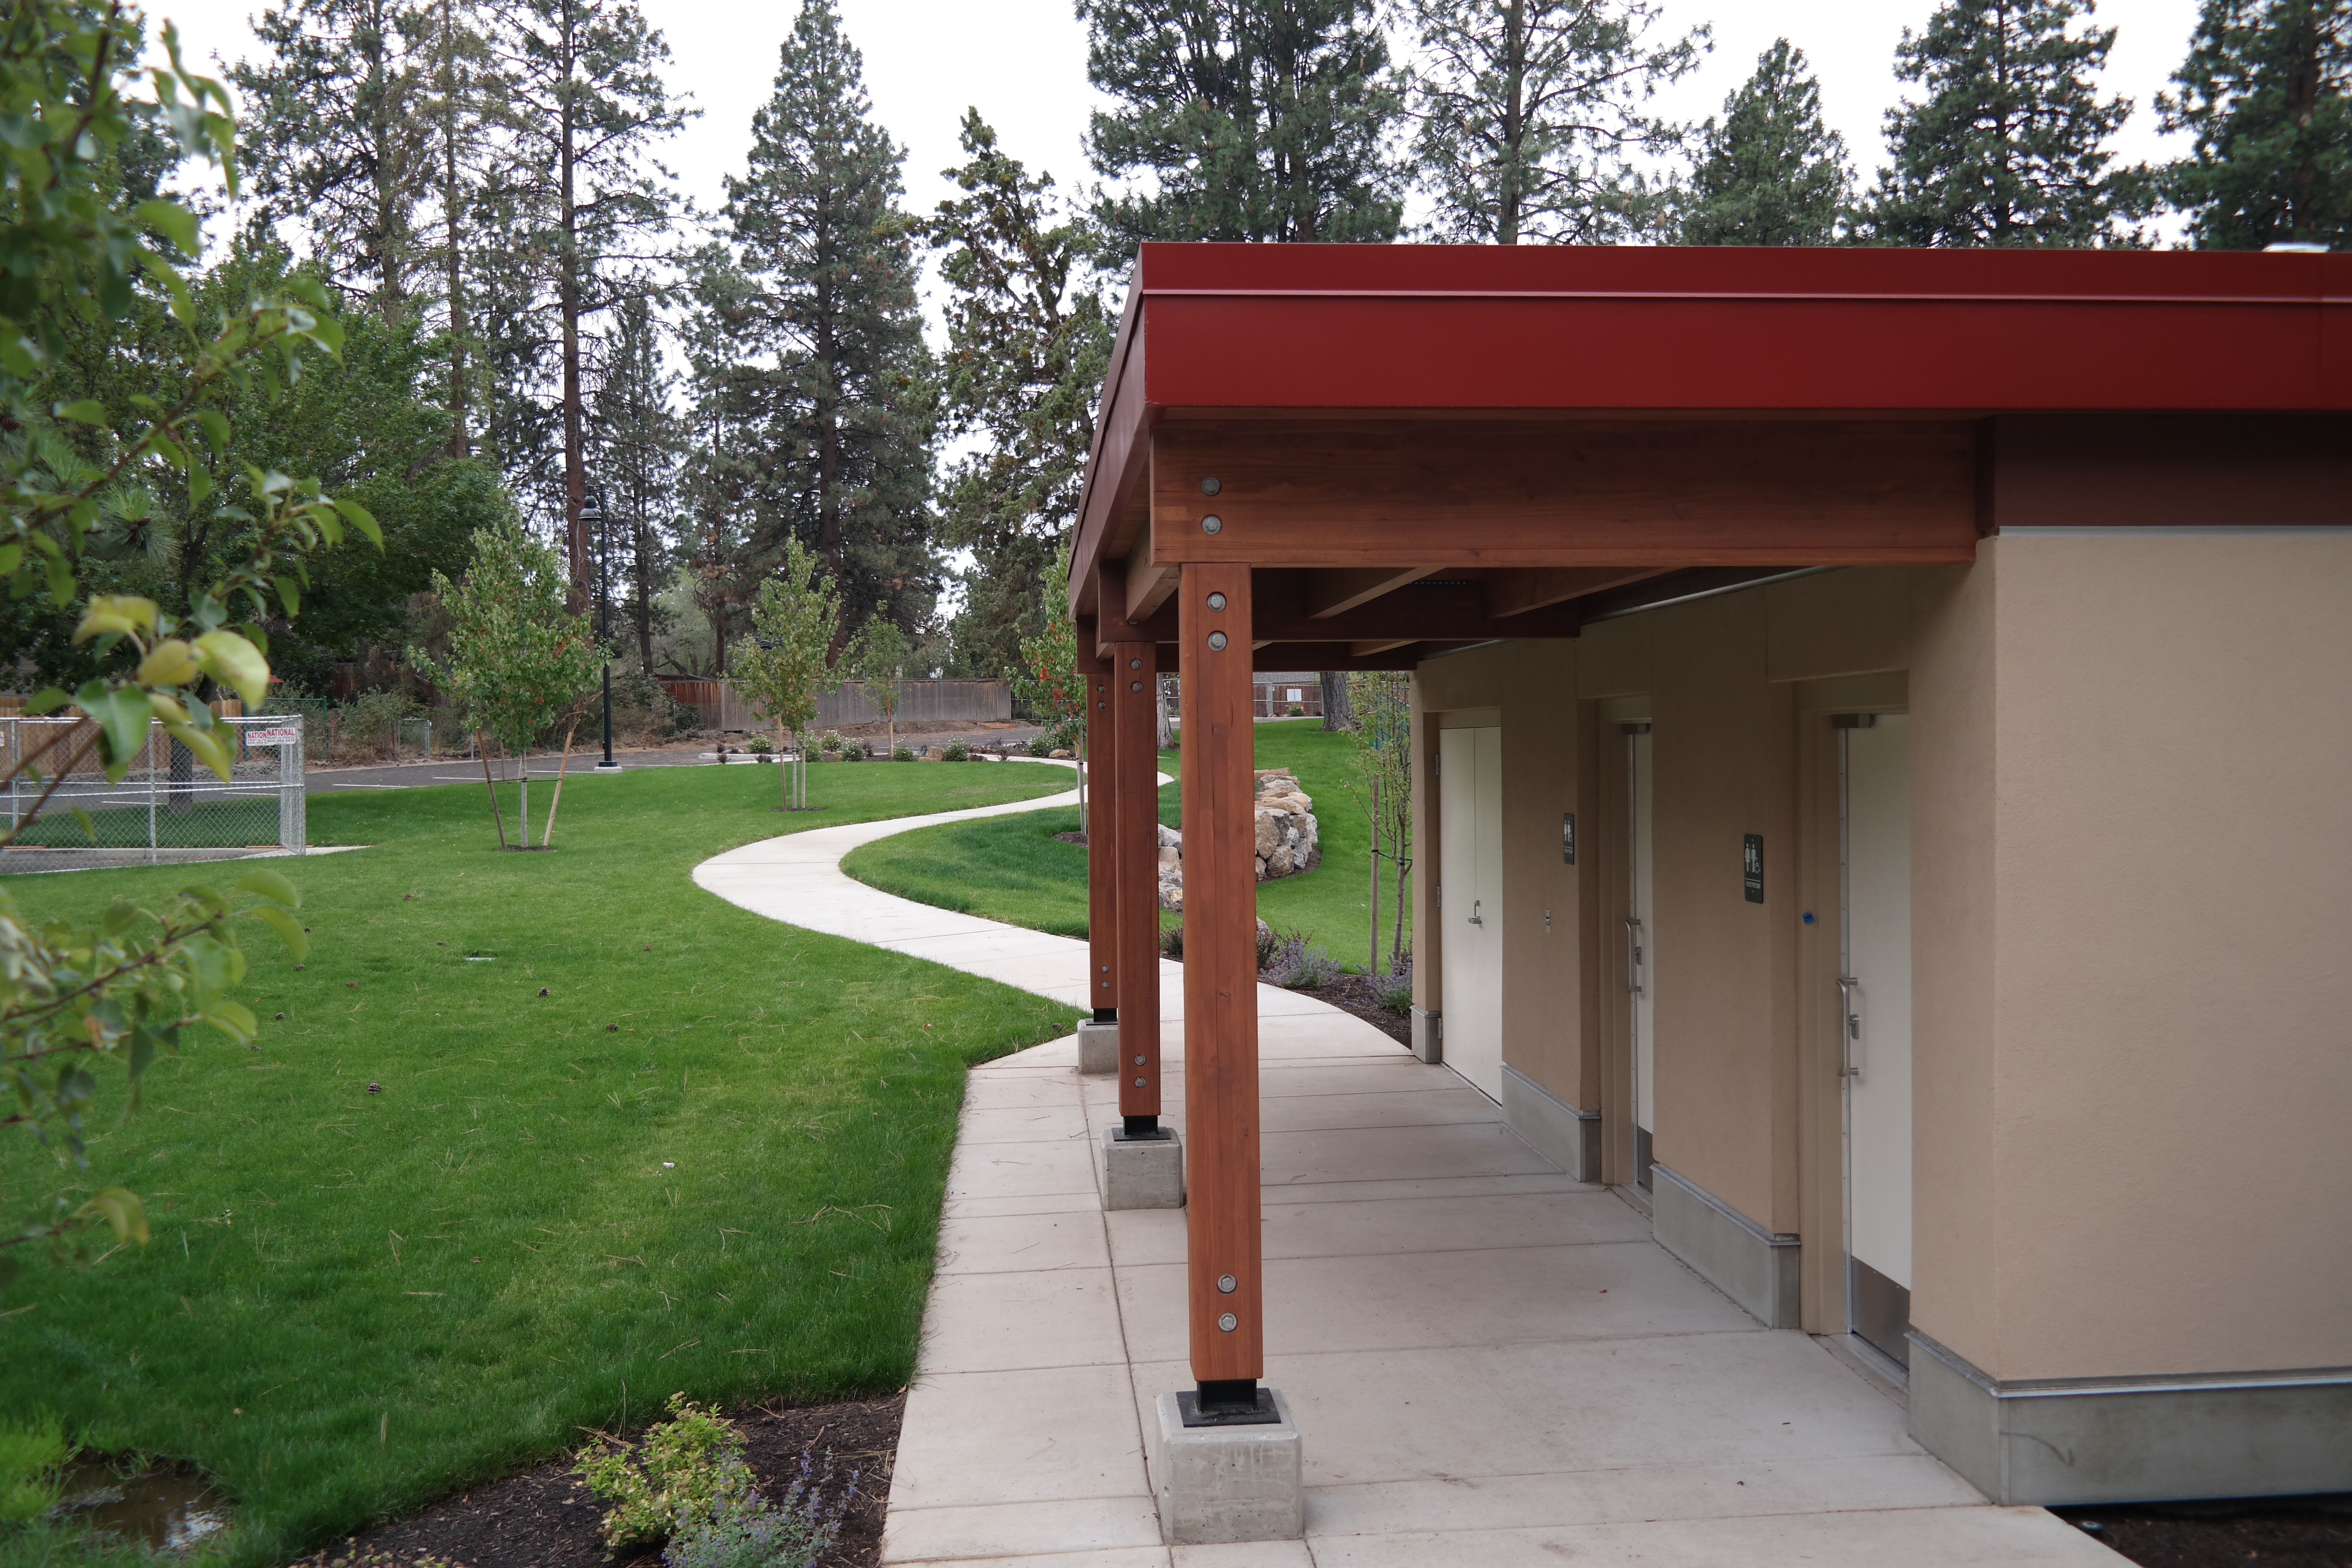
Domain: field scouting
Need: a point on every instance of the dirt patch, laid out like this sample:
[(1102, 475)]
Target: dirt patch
[(2281, 1533), (544, 1518)]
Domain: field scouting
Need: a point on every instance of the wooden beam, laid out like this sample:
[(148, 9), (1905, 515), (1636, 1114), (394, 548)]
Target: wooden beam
[(1359, 493), (1135, 713), (1368, 648), (1516, 592), (1422, 612), (1220, 1101), (1335, 592), (1148, 585), (1102, 842)]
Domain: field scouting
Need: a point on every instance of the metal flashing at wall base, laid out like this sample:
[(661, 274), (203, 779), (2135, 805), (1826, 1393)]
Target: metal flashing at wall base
[(1755, 1266), (1429, 1035), (2092, 1440), (1565, 1136)]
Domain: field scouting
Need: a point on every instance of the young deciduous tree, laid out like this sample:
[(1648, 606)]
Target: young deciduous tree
[(808, 342), (1382, 747), (2266, 91), (128, 986), (1027, 340), (879, 656), (1265, 120), (1772, 172), (1531, 115), (2008, 145), (520, 658), (780, 668), (1047, 681)]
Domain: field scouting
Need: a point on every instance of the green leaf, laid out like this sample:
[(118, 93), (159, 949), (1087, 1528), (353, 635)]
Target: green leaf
[(236, 664), (11, 557), (47, 701), (88, 826), (232, 1019), (204, 745), (288, 930), (361, 518), (123, 713), (215, 423), (121, 1210), (200, 484), (270, 885), (172, 221), (290, 595), (84, 410)]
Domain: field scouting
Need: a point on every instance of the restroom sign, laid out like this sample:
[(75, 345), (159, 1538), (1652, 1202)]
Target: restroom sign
[(1751, 866)]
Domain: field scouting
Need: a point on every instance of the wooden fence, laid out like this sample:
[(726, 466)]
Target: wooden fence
[(919, 701)]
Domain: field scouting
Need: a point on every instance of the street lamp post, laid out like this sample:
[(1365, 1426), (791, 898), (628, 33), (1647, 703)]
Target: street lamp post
[(591, 515)]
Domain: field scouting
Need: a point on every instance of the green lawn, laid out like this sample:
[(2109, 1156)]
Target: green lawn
[(1011, 869), (437, 1224)]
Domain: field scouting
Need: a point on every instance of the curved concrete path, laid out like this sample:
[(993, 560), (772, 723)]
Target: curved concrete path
[(1492, 1364)]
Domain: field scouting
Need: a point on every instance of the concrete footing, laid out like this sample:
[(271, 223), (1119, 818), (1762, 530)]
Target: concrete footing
[(1142, 1172), (1227, 1483), (1429, 1035), (1754, 1267), (1557, 1131), (1097, 1048)]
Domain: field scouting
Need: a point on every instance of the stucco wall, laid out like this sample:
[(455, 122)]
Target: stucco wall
[(2171, 1013)]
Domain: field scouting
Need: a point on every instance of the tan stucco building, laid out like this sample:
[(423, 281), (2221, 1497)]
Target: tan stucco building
[(1883, 743)]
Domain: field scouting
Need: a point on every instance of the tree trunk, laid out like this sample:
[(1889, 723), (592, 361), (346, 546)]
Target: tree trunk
[(575, 477), (1338, 713), (459, 445)]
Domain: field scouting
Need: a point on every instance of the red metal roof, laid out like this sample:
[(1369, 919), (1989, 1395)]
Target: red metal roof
[(1399, 330)]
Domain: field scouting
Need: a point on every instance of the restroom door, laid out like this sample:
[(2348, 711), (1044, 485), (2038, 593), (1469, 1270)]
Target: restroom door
[(1874, 809), (1470, 895), (1641, 946)]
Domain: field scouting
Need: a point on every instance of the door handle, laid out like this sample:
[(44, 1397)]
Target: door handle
[(1633, 954), (1473, 911), (1849, 1027)]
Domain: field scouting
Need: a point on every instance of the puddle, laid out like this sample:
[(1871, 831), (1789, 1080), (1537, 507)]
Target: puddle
[(167, 1507)]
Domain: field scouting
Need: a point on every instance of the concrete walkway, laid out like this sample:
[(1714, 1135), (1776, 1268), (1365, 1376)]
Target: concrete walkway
[(1490, 1363)]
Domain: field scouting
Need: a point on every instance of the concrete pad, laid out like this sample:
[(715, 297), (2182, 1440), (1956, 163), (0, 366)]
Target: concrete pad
[(1330, 1112), (1485, 1149), (1244, 1554), (1020, 1170), (1141, 1172), (973, 1244), (1367, 1192), (977, 1439), (1032, 1204), (1219, 1484), (1018, 1124), (1503, 1296), (1398, 1075), (1433, 1225), (994, 1322), (1115, 1532), (1098, 1049), (986, 1090), (1980, 1537)]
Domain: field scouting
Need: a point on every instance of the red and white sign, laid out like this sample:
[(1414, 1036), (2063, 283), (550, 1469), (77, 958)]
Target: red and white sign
[(275, 736)]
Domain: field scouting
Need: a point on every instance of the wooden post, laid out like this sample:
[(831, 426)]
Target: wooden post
[(1135, 708), (1102, 842), (1227, 1306)]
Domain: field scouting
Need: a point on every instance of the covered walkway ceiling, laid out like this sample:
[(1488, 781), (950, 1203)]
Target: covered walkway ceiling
[(1418, 447)]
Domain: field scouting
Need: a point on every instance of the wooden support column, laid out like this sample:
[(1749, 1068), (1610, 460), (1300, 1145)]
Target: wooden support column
[(1134, 708), (1102, 842), (1227, 1305)]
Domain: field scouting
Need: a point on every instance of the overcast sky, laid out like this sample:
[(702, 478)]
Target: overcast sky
[(1022, 63)]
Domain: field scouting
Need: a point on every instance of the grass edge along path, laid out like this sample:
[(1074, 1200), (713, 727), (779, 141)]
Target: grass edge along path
[(438, 1225), (1013, 868)]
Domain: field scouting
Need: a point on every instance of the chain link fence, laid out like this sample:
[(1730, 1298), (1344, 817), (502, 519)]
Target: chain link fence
[(168, 809)]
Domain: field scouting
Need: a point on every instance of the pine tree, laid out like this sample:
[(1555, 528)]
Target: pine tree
[(584, 107), (1027, 340), (2267, 94), (634, 441), (1261, 119), (808, 344), (1531, 117), (2007, 148), (1772, 172)]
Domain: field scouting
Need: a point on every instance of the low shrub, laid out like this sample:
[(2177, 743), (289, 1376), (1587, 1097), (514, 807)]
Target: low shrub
[(903, 754), (762, 744), (1294, 963), (793, 1532), (830, 741), (1393, 991), (1040, 747), (1295, 710), (956, 752), (689, 1469)]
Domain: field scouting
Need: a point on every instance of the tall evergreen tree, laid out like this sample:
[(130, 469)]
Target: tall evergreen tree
[(1772, 172), (1531, 116), (341, 145), (2007, 147), (1262, 119), (2267, 94), (584, 203), (634, 440), (1028, 337), (808, 344)]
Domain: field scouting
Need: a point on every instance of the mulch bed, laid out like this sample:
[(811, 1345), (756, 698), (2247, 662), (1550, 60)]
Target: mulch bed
[(2281, 1533), (545, 1518)]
